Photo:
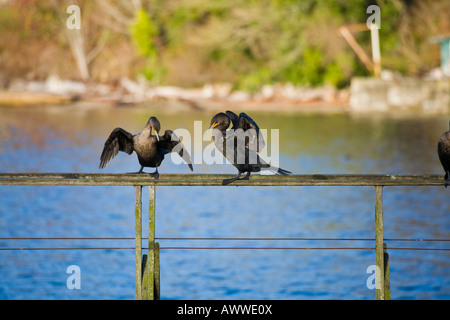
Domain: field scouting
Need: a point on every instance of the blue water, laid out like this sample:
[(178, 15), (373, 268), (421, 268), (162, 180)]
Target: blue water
[(70, 140)]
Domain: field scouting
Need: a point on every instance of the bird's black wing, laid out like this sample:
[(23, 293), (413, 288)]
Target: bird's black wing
[(234, 119), (118, 140), (256, 139), (444, 150), (169, 142)]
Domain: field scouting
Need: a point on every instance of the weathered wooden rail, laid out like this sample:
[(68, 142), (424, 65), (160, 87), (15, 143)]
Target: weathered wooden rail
[(147, 266), (98, 179)]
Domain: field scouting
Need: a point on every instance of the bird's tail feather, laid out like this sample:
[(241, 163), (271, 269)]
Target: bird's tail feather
[(279, 171), (283, 172)]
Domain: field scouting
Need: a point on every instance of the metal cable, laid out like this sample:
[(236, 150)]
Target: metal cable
[(222, 248), (218, 238)]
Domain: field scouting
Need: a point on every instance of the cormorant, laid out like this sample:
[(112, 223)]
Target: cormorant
[(244, 140), (149, 148), (443, 150)]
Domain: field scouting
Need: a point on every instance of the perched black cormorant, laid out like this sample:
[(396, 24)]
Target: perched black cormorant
[(443, 150), (149, 148), (244, 140)]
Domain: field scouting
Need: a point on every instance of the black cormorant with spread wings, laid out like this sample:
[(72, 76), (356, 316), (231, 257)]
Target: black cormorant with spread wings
[(240, 146), (150, 148), (443, 150)]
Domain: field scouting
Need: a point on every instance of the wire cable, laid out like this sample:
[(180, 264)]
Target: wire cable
[(220, 248), (219, 238)]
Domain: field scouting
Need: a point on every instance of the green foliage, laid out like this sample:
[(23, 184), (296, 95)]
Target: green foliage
[(308, 70), (9, 20), (247, 43), (261, 42), (143, 32), (253, 81)]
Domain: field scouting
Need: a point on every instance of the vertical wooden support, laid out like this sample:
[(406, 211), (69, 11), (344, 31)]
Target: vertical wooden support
[(376, 57), (345, 32), (157, 275), (138, 239), (387, 277), (379, 252), (151, 244), (144, 280)]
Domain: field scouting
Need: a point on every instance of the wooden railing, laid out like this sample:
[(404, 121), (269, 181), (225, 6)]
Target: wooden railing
[(97, 179), (147, 266)]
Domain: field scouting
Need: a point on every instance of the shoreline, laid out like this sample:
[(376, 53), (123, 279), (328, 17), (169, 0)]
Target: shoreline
[(173, 104), (364, 96), (277, 97)]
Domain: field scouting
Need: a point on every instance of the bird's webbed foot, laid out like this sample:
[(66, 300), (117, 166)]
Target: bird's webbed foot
[(228, 181), (238, 177), (155, 175), (247, 177)]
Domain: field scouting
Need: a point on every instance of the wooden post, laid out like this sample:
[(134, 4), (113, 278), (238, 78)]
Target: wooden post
[(345, 32), (157, 275), (138, 239), (387, 277), (151, 243), (375, 50), (144, 279), (379, 254)]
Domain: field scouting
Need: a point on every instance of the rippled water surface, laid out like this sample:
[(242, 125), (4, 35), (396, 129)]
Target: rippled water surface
[(70, 139)]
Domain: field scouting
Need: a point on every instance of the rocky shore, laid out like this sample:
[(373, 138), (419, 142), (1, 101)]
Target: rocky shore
[(128, 92), (364, 95)]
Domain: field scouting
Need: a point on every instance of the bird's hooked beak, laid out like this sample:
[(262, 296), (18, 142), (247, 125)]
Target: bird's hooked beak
[(156, 133), (215, 124)]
